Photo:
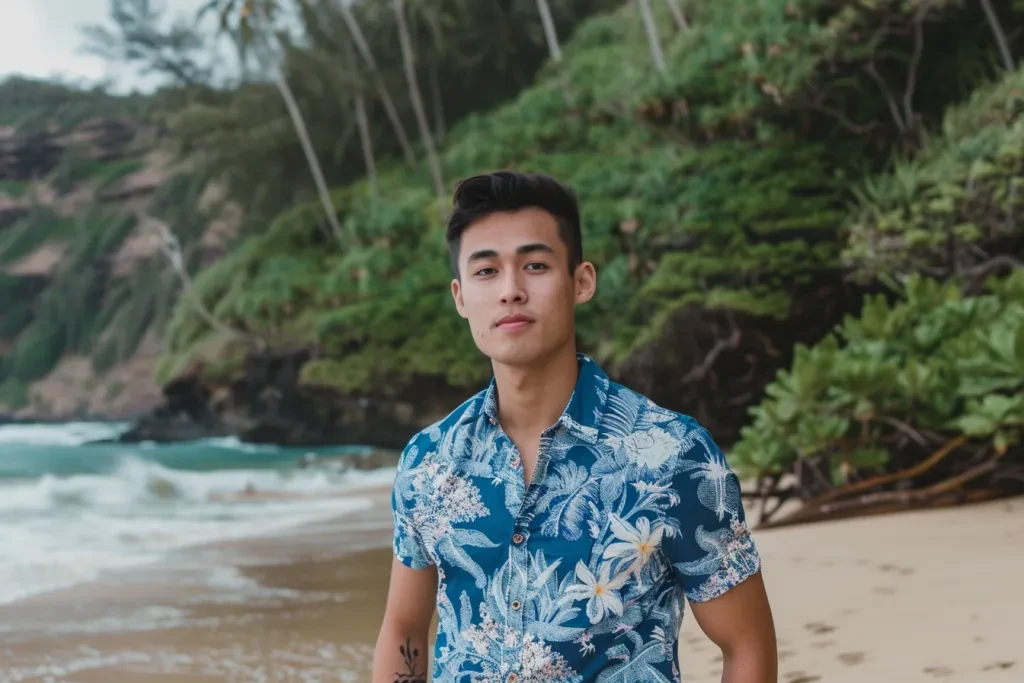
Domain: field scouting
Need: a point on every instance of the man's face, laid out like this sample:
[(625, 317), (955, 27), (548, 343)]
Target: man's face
[(516, 290)]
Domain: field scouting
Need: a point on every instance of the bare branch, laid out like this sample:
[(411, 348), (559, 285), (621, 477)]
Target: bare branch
[(915, 62), (171, 248), (893, 109), (721, 345), (677, 15), (997, 30)]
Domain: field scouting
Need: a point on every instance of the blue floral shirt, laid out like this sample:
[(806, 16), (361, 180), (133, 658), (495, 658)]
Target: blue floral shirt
[(581, 576)]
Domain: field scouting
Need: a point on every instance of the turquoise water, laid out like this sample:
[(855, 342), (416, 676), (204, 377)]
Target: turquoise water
[(70, 509), (30, 451)]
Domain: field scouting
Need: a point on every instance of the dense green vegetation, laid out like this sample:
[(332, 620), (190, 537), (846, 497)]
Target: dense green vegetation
[(804, 225)]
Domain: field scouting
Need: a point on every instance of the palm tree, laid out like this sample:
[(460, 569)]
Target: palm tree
[(997, 30), (677, 14), (254, 31), (549, 30), (382, 91), (171, 248), (367, 144), (652, 34), (409, 62)]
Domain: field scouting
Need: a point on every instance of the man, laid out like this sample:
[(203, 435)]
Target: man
[(556, 520)]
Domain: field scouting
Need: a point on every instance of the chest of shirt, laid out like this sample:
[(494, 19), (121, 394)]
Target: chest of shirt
[(583, 507)]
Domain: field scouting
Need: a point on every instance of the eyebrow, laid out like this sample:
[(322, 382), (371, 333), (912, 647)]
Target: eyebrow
[(523, 249)]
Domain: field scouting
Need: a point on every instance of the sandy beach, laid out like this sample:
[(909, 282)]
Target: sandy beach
[(919, 596)]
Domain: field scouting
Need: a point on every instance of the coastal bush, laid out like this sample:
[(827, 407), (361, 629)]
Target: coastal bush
[(892, 388)]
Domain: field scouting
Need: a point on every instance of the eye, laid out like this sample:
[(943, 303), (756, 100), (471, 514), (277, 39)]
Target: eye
[(484, 271), (539, 266)]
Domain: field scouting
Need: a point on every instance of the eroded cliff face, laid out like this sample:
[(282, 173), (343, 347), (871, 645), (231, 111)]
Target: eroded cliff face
[(62, 191)]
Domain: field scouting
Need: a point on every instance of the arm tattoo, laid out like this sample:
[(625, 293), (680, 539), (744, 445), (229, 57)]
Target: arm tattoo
[(410, 655)]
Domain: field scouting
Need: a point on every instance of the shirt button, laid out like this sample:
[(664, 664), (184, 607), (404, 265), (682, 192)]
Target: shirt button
[(512, 677), (517, 538), (516, 605)]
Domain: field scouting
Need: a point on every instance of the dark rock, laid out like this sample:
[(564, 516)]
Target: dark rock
[(29, 157), (11, 214), (269, 406)]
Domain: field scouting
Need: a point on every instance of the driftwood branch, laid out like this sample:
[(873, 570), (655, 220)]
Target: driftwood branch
[(883, 479), (856, 499)]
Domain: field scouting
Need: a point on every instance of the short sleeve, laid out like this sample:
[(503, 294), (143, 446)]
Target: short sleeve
[(408, 499), (710, 547)]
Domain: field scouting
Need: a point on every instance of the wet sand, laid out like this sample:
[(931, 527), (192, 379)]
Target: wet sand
[(905, 598)]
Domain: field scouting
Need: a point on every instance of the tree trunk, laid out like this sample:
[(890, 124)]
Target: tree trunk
[(307, 147), (652, 34), (171, 248), (367, 143), (409, 61), (382, 90), (435, 95), (549, 30), (677, 14), (997, 29)]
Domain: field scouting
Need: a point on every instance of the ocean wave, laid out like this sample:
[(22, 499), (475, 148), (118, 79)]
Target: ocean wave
[(65, 434), (136, 482)]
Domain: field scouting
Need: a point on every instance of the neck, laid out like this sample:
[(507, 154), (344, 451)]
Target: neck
[(531, 399)]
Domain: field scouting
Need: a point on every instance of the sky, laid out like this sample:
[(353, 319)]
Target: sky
[(41, 38)]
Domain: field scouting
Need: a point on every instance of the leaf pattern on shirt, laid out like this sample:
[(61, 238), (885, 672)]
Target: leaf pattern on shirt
[(632, 509)]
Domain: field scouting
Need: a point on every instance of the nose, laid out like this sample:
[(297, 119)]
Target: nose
[(512, 289)]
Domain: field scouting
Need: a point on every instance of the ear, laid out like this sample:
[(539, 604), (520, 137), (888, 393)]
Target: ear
[(585, 282), (460, 305)]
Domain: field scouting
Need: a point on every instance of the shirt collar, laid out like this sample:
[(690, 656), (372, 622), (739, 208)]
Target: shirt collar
[(581, 417)]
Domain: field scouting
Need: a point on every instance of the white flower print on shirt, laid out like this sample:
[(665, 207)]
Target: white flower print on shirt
[(636, 543), (601, 594)]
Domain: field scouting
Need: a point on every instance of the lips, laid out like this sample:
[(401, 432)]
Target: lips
[(513, 322)]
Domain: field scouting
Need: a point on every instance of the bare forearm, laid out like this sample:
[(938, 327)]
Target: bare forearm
[(400, 656), (752, 665)]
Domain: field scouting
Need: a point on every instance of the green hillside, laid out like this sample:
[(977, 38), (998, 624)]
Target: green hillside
[(806, 230)]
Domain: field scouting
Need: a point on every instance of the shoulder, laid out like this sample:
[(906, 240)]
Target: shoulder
[(680, 432), (426, 445)]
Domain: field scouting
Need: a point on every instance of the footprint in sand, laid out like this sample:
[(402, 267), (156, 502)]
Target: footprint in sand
[(852, 658), (801, 677), (819, 627), (823, 644), (885, 590), (938, 671), (786, 654), (994, 666)]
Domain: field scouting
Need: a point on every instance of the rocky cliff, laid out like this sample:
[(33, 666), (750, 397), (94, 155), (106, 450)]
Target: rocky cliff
[(82, 281)]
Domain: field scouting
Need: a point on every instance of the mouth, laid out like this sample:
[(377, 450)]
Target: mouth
[(513, 322)]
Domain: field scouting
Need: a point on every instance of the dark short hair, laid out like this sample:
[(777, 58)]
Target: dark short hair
[(482, 195)]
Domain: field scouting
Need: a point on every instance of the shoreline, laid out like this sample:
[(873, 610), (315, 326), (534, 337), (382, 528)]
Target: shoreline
[(913, 597)]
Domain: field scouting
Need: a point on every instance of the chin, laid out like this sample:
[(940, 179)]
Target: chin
[(515, 354), (520, 352)]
